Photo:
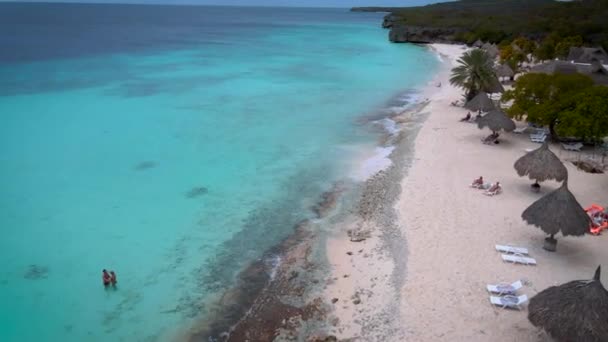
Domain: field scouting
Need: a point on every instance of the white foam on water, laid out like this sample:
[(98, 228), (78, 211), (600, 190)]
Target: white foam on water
[(374, 163), (274, 262), (389, 125)]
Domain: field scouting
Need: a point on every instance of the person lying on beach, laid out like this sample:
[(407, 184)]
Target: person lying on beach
[(466, 118), (477, 183), (494, 189)]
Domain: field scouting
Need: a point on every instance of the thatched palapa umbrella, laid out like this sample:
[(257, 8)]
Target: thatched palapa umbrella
[(574, 311), (481, 102), (494, 87), (541, 165), (558, 211), (496, 120), (504, 70)]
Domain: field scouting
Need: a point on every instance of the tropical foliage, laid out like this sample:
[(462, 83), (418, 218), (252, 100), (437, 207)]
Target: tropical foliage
[(498, 20), (585, 114), (569, 104), (474, 73)]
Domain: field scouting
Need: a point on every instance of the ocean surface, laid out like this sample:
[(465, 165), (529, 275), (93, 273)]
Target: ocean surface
[(174, 145)]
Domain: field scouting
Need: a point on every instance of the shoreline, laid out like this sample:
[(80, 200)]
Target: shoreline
[(407, 255), (371, 273), (292, 303)]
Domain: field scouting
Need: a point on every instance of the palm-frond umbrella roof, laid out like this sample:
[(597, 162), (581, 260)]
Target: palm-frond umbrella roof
[(587, 54), (491, 49), (496, 120), (555, 67), (481, 102), (558, 211), (574, 311), (541, 165), (478, 43), (494, 86), (504, 70)]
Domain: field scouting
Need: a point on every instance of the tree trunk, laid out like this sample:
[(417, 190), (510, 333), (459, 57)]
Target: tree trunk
[(471, 94), (554, 136)]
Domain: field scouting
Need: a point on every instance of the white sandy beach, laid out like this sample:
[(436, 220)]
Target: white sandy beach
[(450, 232)]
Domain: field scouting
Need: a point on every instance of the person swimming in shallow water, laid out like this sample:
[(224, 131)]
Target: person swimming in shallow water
[(106, 278), (113, 278)]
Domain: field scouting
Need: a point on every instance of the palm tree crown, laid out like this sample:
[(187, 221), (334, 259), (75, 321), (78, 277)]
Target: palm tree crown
[(474, 73)]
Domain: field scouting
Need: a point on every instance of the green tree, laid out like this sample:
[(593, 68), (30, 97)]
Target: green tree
[(506, 53), (525, 44), (541, 98), (563, 47), (585, 114), (546, 49), (474, 73)]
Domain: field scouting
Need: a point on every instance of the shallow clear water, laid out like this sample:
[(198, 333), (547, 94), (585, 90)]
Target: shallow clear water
[(173, 145)]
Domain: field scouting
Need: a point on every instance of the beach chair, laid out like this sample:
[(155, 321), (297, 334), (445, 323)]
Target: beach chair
[(520, 130), (518, 259), (572, 147), (538, 138), (505, 289), (509, 302), (512, 249)]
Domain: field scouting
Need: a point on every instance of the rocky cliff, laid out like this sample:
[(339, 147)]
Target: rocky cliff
[(400, 33)]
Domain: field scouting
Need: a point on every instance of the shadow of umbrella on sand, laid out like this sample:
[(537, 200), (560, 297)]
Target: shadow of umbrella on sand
[(541, 165), (574, 311), (558, 211), (496, 121)]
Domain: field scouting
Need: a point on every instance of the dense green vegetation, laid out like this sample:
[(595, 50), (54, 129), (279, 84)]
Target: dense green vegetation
[(505, 20), (569, 104), (474, 73)]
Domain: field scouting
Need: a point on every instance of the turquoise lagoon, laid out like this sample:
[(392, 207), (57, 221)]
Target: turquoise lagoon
[(173, 145)]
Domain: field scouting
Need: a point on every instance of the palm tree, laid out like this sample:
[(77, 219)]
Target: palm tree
[(475, 73)]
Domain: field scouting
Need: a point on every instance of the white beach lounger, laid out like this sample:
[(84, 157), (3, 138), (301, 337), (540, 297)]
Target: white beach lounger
[(572, 147), (520, 130), (518, 259), (505, 289), (511, 302), (539, 139), (511, 249)]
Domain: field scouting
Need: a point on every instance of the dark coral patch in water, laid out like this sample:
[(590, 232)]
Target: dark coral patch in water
[(145, 165), (35, 272), (197, 191)]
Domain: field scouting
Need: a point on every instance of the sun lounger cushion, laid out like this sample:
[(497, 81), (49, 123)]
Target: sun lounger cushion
[(505, 288), (511, 249), (518, 259), (572, 147), (511, 302), (540, 139), (520, 130)]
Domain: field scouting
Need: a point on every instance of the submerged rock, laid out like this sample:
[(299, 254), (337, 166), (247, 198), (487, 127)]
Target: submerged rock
[(35, 272), (197, 191), (145, 165)]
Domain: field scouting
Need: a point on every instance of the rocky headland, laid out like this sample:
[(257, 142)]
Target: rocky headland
[(401, 32)]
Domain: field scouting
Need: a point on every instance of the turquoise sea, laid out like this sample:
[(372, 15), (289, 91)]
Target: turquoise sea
[(172, 144)]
